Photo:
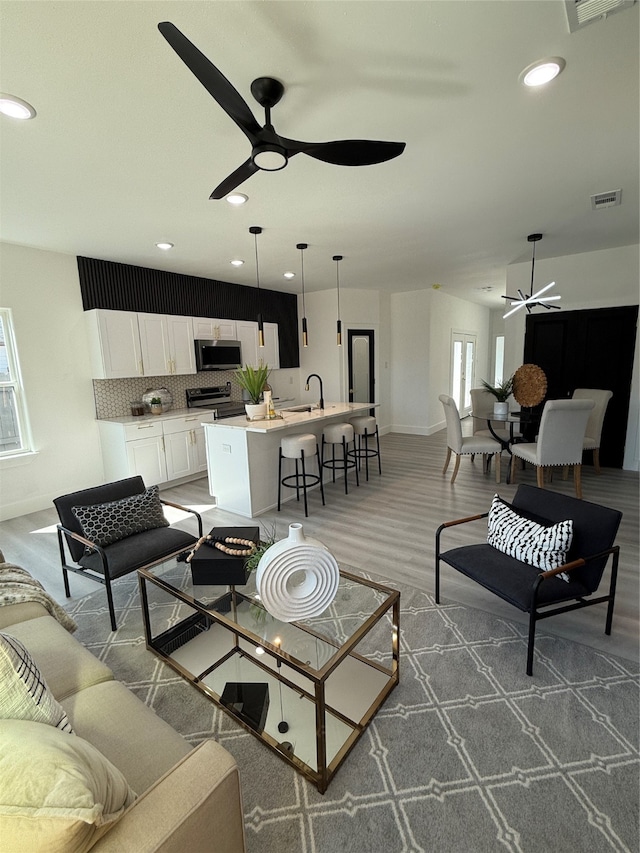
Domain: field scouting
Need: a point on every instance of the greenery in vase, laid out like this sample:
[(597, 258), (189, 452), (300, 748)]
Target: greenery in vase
[(252, 380), (155, 401), (265, 543), (502, 391)]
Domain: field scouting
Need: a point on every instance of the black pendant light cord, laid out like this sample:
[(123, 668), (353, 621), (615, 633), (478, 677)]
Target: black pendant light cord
[(337, 259), (305, 336), (255, 230)]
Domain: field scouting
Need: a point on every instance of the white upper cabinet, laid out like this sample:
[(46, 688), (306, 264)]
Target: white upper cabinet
[(253, 354), (211, 329), (167, 344), (114, 343)]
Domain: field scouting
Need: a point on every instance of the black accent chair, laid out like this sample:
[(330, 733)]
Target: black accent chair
[(105, 564), (529, 589)]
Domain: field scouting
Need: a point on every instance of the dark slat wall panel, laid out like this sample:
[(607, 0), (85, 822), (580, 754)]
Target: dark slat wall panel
[(122, 287)]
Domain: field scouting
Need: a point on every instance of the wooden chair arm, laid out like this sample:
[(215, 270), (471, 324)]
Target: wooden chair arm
[(581, 561), (462, 520), (87, 542)]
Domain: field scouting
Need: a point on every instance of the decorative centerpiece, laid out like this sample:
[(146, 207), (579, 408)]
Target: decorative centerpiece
[(297, 578), (224, 562), (155, 405), (501, 392), (252, 380)]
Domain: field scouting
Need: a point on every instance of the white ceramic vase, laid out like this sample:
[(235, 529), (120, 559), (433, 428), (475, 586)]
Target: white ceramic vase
[(297, 578), (255, 411), (500, 410)]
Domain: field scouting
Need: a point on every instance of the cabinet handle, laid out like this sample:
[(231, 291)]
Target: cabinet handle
[(195, 418), (148, 426)]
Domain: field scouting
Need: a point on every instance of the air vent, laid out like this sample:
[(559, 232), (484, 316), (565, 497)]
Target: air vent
[(601, 200), (583, 12)]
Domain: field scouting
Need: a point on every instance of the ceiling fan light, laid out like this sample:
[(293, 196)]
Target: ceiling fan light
[(164, 246), (236, 262), (543, 71), (289, 275), (237, 199), (269, 157), (15, 107)]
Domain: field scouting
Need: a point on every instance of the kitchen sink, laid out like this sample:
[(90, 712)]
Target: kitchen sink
[(299, 409)]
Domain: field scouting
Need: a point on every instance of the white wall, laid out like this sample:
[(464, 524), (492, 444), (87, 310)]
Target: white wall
[(43, 292), (422, 324), (603, 279)]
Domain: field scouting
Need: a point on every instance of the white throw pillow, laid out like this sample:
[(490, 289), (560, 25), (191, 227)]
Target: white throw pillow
[(24, 694), (58, 793), (544, 546)]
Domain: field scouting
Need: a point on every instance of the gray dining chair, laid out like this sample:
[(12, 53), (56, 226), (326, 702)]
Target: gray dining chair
[(466, 445), (559, 441)]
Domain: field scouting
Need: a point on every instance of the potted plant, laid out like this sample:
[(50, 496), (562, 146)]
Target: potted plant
[(156, 405), (252, 380), (502, 391)]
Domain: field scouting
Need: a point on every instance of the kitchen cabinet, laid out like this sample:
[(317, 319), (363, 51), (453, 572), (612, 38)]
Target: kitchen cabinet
[(210, 329), (161, 448), (166, 343), (114, 344), (125, 344), (184, 446), (253, 354)]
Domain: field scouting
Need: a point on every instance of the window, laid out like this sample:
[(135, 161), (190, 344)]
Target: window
[(14, 433), (499, 359)]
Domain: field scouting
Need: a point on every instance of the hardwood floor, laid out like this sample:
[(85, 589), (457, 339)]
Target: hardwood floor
[(387, 527)]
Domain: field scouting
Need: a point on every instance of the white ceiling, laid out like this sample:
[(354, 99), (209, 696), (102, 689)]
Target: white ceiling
[(127, 144)]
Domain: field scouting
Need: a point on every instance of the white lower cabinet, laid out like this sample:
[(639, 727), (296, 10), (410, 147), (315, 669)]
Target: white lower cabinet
[(159, 451)]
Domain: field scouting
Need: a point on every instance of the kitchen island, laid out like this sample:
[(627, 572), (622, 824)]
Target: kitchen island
[(242, 455)]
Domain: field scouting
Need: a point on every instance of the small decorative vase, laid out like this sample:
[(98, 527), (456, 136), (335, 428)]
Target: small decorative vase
[(297, 577), (255, 411), (156, 409), (500, 410)]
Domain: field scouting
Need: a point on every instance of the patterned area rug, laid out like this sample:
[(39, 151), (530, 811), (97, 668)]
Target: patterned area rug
[(467, 754)]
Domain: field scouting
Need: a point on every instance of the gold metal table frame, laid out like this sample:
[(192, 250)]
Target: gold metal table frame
[(326, 677)]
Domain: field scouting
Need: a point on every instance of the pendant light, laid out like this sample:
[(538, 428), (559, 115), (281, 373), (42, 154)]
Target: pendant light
[(526, 300), (337, 259), (255, 230), (305, 336)]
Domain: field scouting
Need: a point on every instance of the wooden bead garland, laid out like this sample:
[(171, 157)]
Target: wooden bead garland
[(230, 540)]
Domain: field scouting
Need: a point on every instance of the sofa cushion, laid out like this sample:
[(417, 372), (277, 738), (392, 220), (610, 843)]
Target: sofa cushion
[(544, 546), (10, 614), (110, 522), (66, 665), (24, 694), (57, 792), (127, 732)]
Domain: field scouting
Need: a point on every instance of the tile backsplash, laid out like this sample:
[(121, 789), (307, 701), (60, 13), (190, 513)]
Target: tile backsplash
[(114, 396)]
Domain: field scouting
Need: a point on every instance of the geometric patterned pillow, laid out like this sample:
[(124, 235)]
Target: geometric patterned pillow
[(109, 522), (24, 694), (543, 546)]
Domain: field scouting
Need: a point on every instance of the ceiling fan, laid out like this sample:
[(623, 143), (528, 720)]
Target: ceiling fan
[(269, 151)]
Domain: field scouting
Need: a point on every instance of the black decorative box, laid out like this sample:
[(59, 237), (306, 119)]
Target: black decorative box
[(248, 700), (212, 567)]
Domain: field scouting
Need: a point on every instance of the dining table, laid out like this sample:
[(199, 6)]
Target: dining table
[(522, 418)]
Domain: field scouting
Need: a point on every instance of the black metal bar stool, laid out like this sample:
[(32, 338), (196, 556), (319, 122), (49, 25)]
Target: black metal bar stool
[(299, 448), (365, 427), (339, 435)]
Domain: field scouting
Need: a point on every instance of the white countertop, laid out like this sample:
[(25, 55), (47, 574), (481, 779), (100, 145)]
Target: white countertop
[(206, 415), (291, 419)]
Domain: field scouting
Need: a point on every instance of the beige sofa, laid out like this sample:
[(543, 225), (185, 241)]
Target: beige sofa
[(187, 799)]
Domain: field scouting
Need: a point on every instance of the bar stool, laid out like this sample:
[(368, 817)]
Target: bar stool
[(368, 427), (340, 435), (299, 448)]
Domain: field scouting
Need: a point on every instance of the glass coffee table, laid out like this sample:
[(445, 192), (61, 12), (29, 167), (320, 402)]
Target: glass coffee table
[(307, 689)]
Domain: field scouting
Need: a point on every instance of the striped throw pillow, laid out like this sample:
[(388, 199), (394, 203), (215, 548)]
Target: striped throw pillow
[(544, 546)]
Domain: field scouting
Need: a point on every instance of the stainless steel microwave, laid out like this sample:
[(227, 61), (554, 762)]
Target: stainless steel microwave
[(218, 355)]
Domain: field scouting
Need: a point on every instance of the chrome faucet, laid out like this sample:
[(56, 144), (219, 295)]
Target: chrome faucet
[(306, 387)]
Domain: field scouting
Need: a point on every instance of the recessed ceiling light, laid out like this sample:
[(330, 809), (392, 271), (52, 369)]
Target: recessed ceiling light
[(289, 275), (237, 198), (165, 246), (236, 262), (542, 71), (15, 107)]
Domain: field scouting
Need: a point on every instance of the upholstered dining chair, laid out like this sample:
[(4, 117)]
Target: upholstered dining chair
[(593, 432), (559, 441), (465, 445), (117, 528), (481, 411)]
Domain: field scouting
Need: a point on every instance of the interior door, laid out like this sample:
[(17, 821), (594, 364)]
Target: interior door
[(463, 368), (593, 348), (361, 365)]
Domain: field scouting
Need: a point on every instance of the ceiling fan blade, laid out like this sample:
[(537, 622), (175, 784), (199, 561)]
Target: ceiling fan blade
[(348, 152), (212, 79), (234, 180)]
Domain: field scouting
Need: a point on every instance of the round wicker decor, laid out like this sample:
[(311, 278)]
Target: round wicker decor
[(529, 385)]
